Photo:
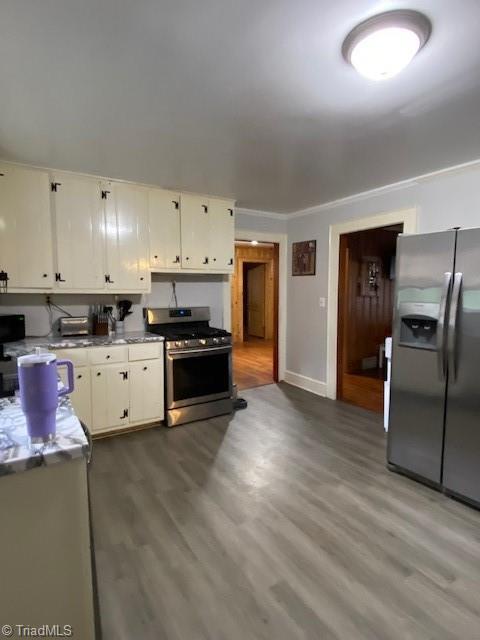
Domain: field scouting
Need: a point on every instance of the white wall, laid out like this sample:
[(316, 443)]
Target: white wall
[(260, 221), (442, 201)]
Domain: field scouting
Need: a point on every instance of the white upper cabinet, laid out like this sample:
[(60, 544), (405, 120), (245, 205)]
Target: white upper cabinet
[(164, 222), (222, 234), (79, 225), (25, 228), (195, 231), (126, 237)]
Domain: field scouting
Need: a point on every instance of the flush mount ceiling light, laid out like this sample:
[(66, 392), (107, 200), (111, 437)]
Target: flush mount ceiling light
[(383, 45)]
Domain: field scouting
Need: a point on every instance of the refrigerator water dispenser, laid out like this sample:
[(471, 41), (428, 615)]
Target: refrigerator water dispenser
[(418, 331)]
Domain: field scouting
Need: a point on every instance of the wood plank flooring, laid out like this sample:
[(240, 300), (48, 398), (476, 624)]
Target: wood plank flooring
[(279, 523), (253, 363)]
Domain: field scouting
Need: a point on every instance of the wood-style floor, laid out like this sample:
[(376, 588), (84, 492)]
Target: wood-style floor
[(253, 363), (278, 523)]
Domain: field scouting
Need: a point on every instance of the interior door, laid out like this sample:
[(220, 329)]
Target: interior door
[(195, 231), (418, 383), (25, 227), (78, 213), (461, 470), (222, 234), (164, 222), (256, 301)]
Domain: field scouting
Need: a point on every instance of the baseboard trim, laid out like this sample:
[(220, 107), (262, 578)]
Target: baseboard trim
[(317, 387)]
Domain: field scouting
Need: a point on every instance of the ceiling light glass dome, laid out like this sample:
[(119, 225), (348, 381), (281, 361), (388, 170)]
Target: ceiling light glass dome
[(383, 45)]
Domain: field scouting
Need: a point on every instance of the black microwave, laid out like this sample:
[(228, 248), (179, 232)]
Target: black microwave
[(12, 327)]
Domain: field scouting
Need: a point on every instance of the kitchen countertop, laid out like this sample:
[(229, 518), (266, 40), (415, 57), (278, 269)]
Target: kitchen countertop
[(16, 452), (28, 345)]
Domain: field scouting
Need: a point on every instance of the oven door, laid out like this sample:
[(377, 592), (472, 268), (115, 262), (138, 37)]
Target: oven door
[(198, 375)]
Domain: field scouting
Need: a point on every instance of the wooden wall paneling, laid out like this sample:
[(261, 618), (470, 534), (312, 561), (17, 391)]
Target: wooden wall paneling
[(364, 321), (260, 254)]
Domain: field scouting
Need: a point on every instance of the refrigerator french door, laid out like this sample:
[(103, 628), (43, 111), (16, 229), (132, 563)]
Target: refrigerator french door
[(417, 403), (461, 460)]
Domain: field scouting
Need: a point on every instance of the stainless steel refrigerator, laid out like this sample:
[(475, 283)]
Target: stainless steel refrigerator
[(434, 429)]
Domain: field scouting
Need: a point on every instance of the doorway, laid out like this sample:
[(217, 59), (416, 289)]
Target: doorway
[(365, 309), (255, 314)]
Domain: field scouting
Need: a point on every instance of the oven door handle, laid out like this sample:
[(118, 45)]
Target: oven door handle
[(205, 350)]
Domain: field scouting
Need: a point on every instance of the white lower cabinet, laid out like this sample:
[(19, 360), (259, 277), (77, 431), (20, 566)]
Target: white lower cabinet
[(129, 391), (110, 397), (146, 390)]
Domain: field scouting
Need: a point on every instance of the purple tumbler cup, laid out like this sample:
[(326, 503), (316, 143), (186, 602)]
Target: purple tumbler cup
[(38, 382)]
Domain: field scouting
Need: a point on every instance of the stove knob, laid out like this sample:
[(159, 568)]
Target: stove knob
[(203, 341), (215, 341), (178, 343)]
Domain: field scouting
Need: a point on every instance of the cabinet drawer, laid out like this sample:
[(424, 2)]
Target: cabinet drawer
[(107, 355), (145, 351), (77, 356)]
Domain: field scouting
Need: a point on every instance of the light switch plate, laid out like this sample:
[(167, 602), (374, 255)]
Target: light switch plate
[(322, 303)]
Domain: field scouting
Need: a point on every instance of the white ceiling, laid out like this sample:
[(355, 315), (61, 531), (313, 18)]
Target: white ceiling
[(242, 98)]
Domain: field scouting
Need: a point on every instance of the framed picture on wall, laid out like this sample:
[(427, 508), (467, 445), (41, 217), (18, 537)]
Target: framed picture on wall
[(304, 255)]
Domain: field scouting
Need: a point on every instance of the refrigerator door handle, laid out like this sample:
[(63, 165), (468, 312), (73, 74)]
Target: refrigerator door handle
[(452, 326), (442, 326)]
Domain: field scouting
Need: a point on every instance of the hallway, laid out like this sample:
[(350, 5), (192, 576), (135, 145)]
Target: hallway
[(253, 363)]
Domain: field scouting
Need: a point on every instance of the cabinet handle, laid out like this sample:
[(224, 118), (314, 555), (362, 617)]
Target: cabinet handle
[(230, 261), (105, 194), (230, 211), (187, 258), (79, 376), (108, 279), (156, 257), (3, 281), (141, 278), (45, 275), (205, 208), (214, 259), (175, 203), (58, 277), (206, 260), (177, 260), (124, 374), (125, 414), (145, 368), (54, 185), (98, 374)]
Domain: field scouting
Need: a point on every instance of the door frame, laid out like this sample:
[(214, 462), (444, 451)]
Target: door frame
[(407, 217), (279, 239)]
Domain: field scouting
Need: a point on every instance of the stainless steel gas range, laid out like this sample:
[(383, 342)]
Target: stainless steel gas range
[(198, 363)]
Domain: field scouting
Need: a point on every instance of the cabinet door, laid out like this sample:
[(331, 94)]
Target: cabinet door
[(222, 234), (110, 397), (146, 390), (25, 227), (164, 227), (79, 239), (126, 218), (195, 231), (81, 397)]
